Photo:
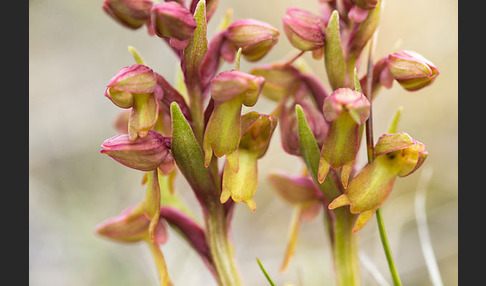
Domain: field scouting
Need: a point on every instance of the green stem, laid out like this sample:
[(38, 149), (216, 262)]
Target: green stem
[(345, 249), (370, 150), (386, 247), (197, 114), (220, 246)]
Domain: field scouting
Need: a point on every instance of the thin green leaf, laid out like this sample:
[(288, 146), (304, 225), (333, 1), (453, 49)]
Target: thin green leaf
[(333, 53), (189, 156), (265, 273), (307, 143), (311, 154), (196, 48)]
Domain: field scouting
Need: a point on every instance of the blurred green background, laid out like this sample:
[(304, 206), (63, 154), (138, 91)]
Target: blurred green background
[(75, 49)]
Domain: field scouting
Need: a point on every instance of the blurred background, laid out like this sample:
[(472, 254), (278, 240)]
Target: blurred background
[(75, 49)]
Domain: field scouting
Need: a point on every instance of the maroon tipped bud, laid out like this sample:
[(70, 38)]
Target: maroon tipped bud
[(170, 19), (412, 70), (228, 84), (304, 29), (255, 38), (144, 154), (130, 13)]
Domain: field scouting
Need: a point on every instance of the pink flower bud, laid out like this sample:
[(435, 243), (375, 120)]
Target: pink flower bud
[(255, 38), (130, 13), (228, 84), (170, 19), (412, 70), (128, 81), (304, 29), (144, 154)]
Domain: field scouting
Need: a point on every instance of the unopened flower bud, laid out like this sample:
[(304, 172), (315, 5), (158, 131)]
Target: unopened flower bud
[(130, 13), (412, 70), (304, 29), (256, 38), (228, 84), (144, 154), (170, 19)]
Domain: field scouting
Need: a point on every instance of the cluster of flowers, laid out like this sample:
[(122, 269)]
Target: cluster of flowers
[(165, 129)]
